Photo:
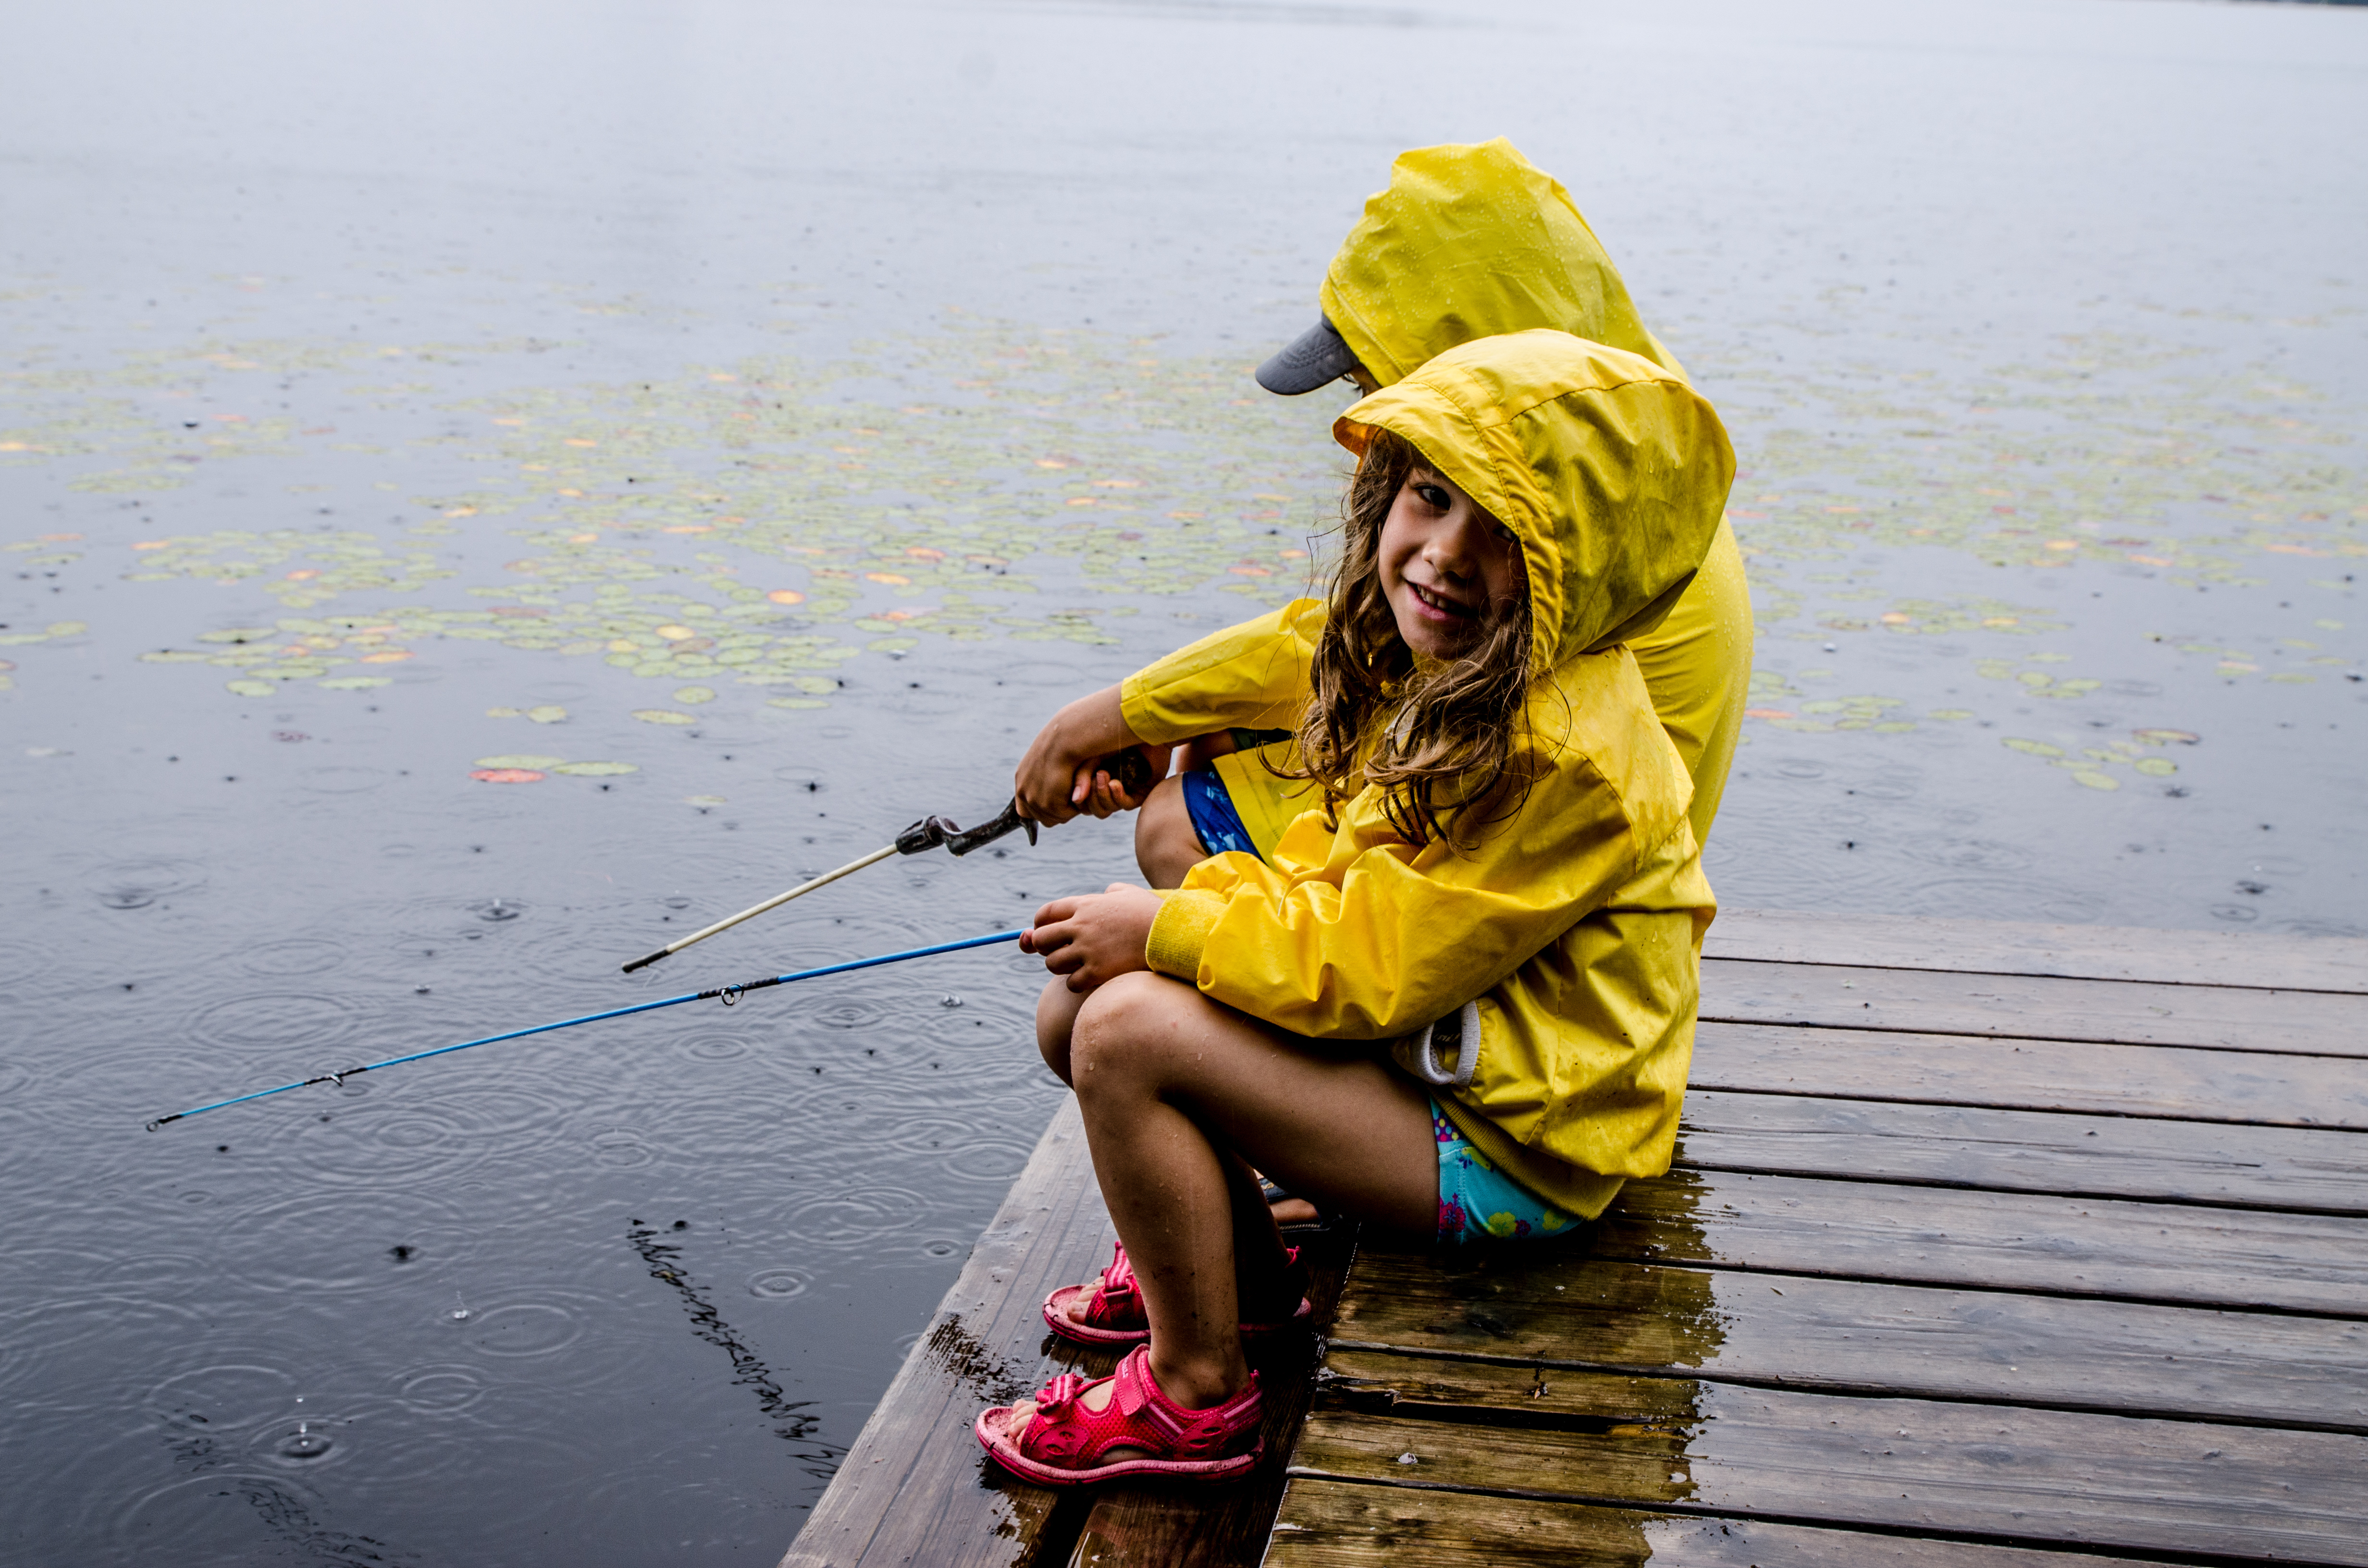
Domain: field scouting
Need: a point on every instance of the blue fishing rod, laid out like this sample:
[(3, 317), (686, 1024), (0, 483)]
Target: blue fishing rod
[(728, 994)]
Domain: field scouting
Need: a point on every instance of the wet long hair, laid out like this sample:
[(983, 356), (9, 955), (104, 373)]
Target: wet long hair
[(1442, 742)]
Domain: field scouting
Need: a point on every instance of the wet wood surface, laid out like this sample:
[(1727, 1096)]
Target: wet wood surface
[(2093, 1156), (1986, 1246), (1331, 1524), (2256, 1088)]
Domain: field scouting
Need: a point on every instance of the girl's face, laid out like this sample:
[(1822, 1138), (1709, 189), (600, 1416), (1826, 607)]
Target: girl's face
[(1443, 563)]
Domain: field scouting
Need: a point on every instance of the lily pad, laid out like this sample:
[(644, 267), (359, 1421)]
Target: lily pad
[(664, 716), (250, 687), (516, 762), (548, 713), (355, 683), (506, 776), (694, 694), (2094, 780), (595, 769)]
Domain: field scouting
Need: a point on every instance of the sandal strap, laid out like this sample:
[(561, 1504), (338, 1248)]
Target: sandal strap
[(1117, 1301), (1064, 1431)]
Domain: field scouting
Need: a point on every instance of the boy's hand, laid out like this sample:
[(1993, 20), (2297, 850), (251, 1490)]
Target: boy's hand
[(1070, 766), (1094, 937)]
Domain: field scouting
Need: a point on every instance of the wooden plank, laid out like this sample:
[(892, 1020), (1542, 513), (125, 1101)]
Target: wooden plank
[(2078, 1246), (1559, 1305), (2034, 1007), (2083, 952), (2258, 1089), (1144, 1526), (915, 1488), (1333, 1523), (2026, 1476), (2297, 1169)]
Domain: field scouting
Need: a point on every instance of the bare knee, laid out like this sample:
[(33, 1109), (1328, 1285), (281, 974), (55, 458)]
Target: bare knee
[(1164, 844), (1056, 1020), (1122, 1029)]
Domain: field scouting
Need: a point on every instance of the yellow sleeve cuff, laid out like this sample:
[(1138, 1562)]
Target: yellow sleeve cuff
[(1186, 919), (1143, 716)]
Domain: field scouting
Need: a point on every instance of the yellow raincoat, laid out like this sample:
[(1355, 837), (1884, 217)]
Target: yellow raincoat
[(1469, 242), (1576, 922)]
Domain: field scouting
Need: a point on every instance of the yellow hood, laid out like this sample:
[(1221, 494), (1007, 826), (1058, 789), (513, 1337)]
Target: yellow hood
[(1474, 241), (1611, 471)]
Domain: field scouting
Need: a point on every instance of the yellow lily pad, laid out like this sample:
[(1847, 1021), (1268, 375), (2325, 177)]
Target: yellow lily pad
[(664, 716), (548, 713), (2094, 780), (694, 694)]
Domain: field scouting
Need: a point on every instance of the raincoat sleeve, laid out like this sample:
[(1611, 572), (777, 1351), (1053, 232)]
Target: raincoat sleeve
[(1355, 934), (1253, 677)]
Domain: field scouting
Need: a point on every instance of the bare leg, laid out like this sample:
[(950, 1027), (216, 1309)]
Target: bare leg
[(1056, 1018), (1164, 844), (1173, 1086)]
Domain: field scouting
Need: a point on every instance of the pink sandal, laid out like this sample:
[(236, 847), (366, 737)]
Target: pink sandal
[(1114, 1314), (1063, 1440)]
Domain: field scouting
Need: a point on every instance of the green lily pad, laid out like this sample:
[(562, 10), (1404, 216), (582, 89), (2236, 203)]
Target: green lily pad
[(250, 687), (595, 769), (2033, 748), (529, 760), (356, 683), (694, 694), (664, 716), (2094, 780)]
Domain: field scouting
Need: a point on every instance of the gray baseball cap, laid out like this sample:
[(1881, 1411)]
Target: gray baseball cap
[(1314, 358)]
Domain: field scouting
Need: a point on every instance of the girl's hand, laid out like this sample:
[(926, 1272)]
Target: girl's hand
[(1069, 767), (1094, 937)]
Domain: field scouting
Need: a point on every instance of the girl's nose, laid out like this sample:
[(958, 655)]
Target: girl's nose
[(1448, 551)]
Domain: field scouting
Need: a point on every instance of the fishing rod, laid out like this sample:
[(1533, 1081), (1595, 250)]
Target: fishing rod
[(728, 994), (1131, 767)]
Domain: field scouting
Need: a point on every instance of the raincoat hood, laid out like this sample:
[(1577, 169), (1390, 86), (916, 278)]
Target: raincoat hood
[(1473, 241), (1612, 472)]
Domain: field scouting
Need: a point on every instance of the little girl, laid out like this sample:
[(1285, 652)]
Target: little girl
[(1460, 999)]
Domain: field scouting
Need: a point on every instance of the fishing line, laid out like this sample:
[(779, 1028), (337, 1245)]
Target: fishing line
[(728, 994)]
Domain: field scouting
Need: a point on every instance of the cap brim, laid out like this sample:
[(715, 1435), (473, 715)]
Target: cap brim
[(1315, 358)]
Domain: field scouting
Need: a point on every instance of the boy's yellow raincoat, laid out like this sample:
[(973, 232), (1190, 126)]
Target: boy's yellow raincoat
[(1577, 921), (1468, 242)]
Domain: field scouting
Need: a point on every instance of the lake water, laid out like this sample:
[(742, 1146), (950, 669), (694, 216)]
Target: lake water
[(753, 420)]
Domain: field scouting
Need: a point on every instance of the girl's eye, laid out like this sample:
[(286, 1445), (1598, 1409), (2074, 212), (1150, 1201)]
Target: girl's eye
[(1433, 495), (1505, 535)]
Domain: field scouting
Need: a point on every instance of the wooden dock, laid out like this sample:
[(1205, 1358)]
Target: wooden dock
[(1986, 1246)]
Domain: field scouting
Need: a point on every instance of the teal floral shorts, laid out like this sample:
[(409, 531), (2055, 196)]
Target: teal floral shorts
[(1476, 1199)]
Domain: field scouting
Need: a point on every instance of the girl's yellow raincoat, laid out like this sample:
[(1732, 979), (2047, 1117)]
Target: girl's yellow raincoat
[(1470, 240), (1577, 921)]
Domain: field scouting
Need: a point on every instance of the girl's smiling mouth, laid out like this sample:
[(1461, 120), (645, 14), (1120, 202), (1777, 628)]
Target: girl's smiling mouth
[(1440, 605)]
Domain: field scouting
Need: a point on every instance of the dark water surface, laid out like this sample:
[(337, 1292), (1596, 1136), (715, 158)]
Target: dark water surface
[(753, 420)]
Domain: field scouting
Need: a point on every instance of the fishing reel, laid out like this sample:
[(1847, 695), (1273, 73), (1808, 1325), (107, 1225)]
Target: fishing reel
[(1133, 770)]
